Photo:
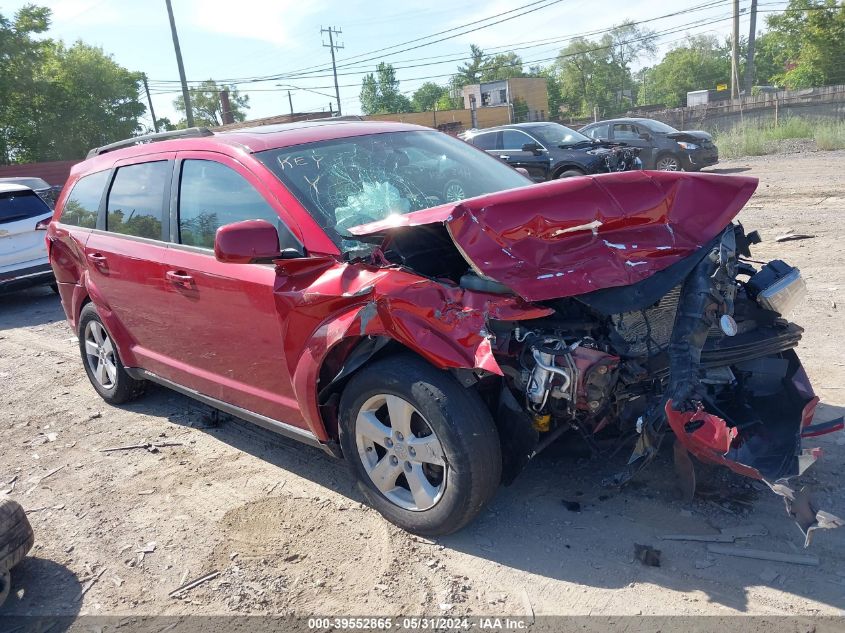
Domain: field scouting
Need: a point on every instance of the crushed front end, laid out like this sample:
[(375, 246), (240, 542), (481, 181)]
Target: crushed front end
[(657, 322), (701, 350)]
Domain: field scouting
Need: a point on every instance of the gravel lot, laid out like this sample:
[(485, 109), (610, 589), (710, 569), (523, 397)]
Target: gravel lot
[(287, 533)]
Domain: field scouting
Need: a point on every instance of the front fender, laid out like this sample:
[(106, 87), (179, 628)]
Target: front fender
[(446, 325)]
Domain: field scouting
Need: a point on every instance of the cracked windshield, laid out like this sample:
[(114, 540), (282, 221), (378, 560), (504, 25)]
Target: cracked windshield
[(350, 181)]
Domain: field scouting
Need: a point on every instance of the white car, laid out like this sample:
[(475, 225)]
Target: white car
[(23, 251)]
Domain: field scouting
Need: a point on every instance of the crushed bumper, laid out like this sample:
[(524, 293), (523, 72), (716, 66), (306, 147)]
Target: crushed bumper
[(711, 439)]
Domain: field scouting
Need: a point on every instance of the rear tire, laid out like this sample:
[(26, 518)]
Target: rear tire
[(102, 362), (16, 535), (457, 465)]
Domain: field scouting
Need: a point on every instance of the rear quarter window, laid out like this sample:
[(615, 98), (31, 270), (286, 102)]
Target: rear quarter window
[(20, 205), (136, 200), (83, 202)]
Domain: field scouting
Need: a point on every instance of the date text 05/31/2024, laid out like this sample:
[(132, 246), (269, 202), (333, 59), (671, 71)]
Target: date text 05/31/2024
[(419, 623)]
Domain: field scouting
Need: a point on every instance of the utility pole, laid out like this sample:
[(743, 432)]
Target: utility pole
[(226, 107), (150, 101), (749, 59), (735, 53), (290, 102), (189, 113), (332, 46)]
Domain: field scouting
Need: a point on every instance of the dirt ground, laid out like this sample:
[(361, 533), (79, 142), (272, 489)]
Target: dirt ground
[(282, 525)]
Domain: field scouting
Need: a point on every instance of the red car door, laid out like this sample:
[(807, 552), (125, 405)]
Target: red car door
[(125, 261), (225, 328)]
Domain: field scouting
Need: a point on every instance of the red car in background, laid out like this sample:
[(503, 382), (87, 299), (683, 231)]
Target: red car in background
[(317, 280)]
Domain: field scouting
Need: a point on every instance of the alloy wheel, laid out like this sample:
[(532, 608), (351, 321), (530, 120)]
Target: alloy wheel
[(400, 452), (668, 163), (99, 352)]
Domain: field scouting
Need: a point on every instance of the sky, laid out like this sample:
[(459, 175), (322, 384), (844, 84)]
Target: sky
[(242, 40)]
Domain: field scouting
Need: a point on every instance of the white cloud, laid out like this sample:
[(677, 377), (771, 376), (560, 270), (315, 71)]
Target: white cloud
[(282, 22)]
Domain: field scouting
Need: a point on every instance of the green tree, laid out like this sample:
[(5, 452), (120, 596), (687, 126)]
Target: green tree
[(20, 55), (501, 66), (206, 105), (380, 92), (427, 96), (701, 63), (470, 73), (57, 102), (804, 46), (597, 74)]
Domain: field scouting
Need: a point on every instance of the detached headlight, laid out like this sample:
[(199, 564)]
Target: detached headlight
[(778, 287), (687, 145)]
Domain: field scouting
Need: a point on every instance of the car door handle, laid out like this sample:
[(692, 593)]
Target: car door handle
[(179, 277), (504, 156), (97, 258)]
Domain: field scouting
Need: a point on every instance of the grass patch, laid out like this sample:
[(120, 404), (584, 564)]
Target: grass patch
[(830, 135), (749, 139)]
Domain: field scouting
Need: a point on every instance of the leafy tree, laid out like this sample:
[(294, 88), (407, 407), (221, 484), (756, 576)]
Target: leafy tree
[(701, 63), (804, 46), (470, 73), (427, 96), (20, 55), (501, 66), (57, 102), (597, 74), (208, 110), (380, 92)]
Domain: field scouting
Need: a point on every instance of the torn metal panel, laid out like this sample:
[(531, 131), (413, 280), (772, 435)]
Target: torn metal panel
[(327, 302), (574, 236)]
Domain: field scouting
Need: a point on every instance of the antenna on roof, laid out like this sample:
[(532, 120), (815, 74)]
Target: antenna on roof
[(191, 132)]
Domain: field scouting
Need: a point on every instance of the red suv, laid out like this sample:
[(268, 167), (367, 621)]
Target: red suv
[(403, 300)]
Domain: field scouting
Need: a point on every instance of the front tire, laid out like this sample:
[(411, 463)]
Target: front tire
[(423, 449), (668, 162), (570, 173), (102, 362)]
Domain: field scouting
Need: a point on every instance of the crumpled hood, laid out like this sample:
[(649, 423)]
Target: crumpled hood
[(572, 236), (690, 136)]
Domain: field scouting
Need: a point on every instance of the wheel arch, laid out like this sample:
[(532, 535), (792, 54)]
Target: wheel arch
[(346, 343)]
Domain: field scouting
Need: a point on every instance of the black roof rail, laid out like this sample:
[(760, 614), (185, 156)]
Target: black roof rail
[(191, 132)]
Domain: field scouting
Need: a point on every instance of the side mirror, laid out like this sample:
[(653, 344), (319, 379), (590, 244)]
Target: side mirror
[(645, 136), (533, 148), (247, 242)]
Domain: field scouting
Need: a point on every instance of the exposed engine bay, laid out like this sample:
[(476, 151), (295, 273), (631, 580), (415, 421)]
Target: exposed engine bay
[(701, 349), (648, 318)]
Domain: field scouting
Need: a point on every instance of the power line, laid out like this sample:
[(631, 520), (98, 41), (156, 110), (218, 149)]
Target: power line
[(323, 67), (509, 47), (668, 31)]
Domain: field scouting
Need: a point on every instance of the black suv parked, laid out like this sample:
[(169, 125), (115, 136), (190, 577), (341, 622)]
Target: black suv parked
[(550, 150), (661, 146)]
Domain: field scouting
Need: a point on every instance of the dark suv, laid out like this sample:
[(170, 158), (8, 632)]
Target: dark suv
[(311, 279), (548, 151)]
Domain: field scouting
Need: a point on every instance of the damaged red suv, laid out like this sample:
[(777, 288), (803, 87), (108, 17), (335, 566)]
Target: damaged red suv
[(401, 299)]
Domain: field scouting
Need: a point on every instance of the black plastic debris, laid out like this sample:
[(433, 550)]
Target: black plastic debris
[(647, 555)]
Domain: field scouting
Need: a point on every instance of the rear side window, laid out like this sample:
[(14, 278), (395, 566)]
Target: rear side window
[(625, 132), (485, 141), (20, 205), (599, 132), (136, 200), (212, 195), (83, 203)]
